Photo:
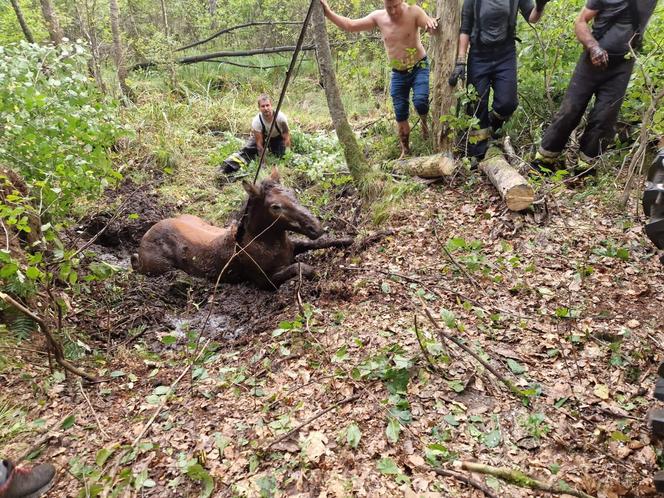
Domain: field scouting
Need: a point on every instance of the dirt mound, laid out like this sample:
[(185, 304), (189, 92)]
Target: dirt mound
[(138, 208)]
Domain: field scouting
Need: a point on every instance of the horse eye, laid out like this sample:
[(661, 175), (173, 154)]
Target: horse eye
[(276, 207)]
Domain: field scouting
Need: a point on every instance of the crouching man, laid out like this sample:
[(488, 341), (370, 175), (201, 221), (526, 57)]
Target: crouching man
[(277, 144)]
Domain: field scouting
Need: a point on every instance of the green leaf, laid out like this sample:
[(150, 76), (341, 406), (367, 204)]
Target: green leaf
[(353, 435), (515, 366), (169, 340), (451, 419), (117, 373), (393, 430), (492, 439), (68, 423), (387, 466), (199, 474), (102, 456), (456, 385)]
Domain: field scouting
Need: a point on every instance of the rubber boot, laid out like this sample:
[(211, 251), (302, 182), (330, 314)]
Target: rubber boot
[(653, 201), (25, 482)]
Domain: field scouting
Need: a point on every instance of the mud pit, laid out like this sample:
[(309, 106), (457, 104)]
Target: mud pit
[(175, 303)]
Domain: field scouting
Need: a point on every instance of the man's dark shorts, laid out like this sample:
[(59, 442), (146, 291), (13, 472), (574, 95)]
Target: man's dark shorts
[(416, 78)]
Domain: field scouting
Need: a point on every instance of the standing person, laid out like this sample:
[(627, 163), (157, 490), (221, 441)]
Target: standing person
[(399, 24), (279, 140), (489, 28), (603, 71), (25, 482)]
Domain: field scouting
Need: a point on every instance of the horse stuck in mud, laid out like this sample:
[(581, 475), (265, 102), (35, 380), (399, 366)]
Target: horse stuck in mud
[(254, 249)]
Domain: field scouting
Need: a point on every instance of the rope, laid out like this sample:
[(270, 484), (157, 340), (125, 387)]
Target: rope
[(298, 46)]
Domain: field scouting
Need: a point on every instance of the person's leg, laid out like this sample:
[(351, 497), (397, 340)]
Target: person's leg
[(505, 97), (479, 77), (399, 91), (421, 94), (277, 146), (609, 96), (580, 90), (239, 159)]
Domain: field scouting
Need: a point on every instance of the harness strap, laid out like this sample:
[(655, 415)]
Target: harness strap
[(276, 125)]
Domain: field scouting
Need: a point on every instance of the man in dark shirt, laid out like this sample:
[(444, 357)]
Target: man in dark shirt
[(489, 27), (603, 71)]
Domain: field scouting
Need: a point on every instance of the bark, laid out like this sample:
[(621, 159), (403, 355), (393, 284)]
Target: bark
[(89, 31), (357, 164), (164, 17), (21, 20), (52, 22), (513, 188), (434, 166), (443, 51), (117, 49)]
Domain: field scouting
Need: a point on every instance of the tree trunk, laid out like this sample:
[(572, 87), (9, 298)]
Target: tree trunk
[(513, 188), (434, 166), (21, 20), (164, 17), (212, 9), (52, 22), (443, 51), (117, 49), (355, 160), (88, 29)]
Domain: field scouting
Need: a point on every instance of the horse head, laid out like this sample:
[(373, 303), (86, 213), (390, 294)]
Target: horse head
[(272, 204)]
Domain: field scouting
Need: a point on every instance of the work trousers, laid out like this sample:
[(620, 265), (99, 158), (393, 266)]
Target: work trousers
[(491, 69), (608, 86), (246, 154)]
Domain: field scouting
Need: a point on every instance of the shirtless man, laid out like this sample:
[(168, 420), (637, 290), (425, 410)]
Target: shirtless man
[(399, 24)]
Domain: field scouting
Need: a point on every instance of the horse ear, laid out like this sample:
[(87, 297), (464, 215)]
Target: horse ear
[(250, 188), (274, 176)]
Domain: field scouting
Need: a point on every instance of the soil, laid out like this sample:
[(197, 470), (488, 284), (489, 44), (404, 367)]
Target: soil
[(565, 300)]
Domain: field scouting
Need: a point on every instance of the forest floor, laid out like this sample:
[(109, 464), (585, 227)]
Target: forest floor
[(566, 300)]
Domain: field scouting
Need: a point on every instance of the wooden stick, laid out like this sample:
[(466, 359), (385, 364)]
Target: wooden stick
[(53, 344), (445, 336), (518, 478), (94, 412), (422, 347), (465, 479), (308, 421)]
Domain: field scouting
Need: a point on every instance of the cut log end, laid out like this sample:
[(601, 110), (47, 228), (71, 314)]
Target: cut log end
[(512, 186)]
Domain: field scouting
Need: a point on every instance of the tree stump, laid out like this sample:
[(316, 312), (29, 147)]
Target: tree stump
[(434, 166), (512, 187)]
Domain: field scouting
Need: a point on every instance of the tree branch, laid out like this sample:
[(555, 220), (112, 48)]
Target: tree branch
[(233, 28)]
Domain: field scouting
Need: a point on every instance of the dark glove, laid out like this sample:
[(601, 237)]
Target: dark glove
[(539, 4), (458, 73), (598, 56)]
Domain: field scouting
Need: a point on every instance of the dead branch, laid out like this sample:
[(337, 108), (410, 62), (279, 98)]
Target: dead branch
[(427, 357), (445, 336), (466, 480), (521, 166), (518, 478), (308, 421), (233, 28), (54, 345), (94, 412)]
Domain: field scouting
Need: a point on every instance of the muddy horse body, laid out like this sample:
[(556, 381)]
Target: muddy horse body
[(256, 249)]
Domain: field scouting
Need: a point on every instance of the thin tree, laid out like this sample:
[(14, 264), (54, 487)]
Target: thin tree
[(355, 160), (52, 22), (89, 29), (443, 52), (117, 50), (21, 20), (164, 17)]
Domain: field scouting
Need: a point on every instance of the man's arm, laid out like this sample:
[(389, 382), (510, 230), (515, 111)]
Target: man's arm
[(598, 55), (353, 25), (260, 142), (424, 21), (285, 133)]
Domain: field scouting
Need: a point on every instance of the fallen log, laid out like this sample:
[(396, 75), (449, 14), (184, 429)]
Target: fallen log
[(434, 166), (512, 187)]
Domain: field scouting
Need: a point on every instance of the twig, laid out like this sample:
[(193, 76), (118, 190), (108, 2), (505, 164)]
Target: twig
[(308, 421), (465, 479), (427, 357), (6, 235), (111, 481), (518, 478), (445, 336), (94, 412), (54, 346), (455, 263), (47, 435)]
